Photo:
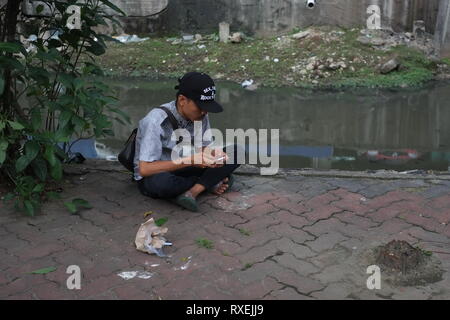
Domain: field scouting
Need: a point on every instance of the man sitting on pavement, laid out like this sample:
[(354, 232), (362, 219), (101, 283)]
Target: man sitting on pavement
[(160, 176)]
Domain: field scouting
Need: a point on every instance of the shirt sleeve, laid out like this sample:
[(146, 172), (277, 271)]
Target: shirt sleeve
[(151, 145)]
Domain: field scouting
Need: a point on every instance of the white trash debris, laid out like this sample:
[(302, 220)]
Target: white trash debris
[(130, 38), (247, 83), (184, 266), (188, 38), (128, 275), (32, 37), (301, 35)]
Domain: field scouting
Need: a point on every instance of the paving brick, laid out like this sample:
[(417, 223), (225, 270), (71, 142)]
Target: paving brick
[(419, 220), (31, 265), (352, 244), (21, 285), (263, 223), (326, 241), (228, 219), (384, 214), (258, 199), (441, 202), (12, 244), (22, 296), (130, 292), (321, 213), (325, 226), (376, 190), (40, 250), (258, 211), (302, 267), (105, 266), (258, 254), (343, 272), (335, 257), (286, 245), (302, 284), (392, 226), (347, 198), (435, 192), (334, 291), (288, 294), (98, 286), (100, 218), (258, 289), (289, 218), (393, 197), (425, 235), (8, 260), (255, 240), (412, 294), (225, 233), (361, 222), (352, 185), (296, 235), (225, 263), (227, 247), (24, 231), (292, 206), (52, 291), (3, 232), (321, 200), (259, 272)]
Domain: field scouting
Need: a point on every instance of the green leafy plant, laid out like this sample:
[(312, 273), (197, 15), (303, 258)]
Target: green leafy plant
[(248, 266), (205, 243), (161, 222), (50, 95), (75, 205), (244, 232), (44, 270)]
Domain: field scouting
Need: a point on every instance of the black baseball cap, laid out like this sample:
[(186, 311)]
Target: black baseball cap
[(200, 88)]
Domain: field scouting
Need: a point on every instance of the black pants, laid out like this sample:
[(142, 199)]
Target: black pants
[(166, 185)]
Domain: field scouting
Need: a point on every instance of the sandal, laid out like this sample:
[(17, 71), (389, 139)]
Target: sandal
[(229, 183), (187, 202)]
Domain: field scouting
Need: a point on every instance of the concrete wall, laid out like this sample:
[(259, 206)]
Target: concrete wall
[(269, 17), (442, 34), (140, 8), (133, 8)]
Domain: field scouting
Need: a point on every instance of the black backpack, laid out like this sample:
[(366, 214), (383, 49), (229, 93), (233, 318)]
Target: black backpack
[(126, 157)]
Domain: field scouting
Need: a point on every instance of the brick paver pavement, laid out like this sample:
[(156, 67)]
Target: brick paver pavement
[(290, 237)]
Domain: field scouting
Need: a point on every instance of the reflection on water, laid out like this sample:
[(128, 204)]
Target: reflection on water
[(359, 130)]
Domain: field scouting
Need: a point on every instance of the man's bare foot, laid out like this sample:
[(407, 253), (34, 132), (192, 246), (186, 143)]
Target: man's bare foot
[(222, 187), (195, 191)]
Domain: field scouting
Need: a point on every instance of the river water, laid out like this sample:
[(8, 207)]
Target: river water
[(361, 129)]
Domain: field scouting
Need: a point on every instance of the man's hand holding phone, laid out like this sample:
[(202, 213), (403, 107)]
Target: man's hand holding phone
[(210, 158)]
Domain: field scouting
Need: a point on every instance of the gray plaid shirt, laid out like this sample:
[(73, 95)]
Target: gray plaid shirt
[(153, 140)]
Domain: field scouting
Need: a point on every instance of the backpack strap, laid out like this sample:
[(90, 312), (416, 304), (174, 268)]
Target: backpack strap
[(173, 121)]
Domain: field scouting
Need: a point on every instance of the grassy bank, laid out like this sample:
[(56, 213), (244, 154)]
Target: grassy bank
[(277, 61)]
